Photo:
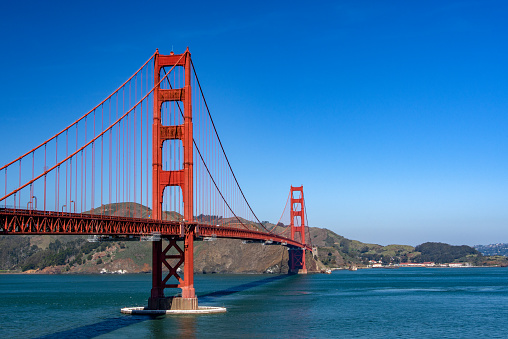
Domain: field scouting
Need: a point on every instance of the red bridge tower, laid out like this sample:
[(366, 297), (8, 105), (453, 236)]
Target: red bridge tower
[(181, 178), (297, 254)]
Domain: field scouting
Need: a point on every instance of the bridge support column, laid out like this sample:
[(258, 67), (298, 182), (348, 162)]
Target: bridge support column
[(157, 285), (172, 258), (297, 261), (297, 254), (187, 285), (182, 178)]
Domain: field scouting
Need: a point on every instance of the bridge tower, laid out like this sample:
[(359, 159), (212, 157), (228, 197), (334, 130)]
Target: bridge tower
[(180, 178), (297, 224)]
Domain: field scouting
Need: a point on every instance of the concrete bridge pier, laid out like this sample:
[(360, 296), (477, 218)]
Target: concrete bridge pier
[(172, 303), (172, 257)]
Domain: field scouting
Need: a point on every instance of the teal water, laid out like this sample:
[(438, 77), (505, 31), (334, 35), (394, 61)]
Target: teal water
[(375, 303)]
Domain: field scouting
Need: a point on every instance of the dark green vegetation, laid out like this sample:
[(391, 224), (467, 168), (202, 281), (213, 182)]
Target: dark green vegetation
[(444, 253)]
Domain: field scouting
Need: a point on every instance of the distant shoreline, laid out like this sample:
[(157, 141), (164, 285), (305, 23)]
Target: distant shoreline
[(200, 273)]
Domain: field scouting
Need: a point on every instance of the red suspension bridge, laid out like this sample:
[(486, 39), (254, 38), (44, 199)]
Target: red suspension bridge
[(152, 142)]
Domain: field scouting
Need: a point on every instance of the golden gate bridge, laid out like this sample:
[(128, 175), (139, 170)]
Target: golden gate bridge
[(152, 142)]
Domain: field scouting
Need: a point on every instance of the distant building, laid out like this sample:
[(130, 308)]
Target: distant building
[(455, 264), (414, 264), (459, 264)]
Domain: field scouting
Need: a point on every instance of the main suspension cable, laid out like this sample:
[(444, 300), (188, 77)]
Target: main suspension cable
[(75, 122), (223, 151), (282, 215), (202, 159), (86, 145)]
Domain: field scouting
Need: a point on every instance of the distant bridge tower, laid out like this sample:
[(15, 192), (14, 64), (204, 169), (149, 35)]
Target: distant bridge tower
[(181, 178), (297, 224)]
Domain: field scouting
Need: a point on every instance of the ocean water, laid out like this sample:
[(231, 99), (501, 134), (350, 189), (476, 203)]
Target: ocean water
[(375, 303)]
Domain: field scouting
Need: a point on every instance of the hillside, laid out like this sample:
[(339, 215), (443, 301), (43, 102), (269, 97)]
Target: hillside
[(61, 254), (443, 253), (73, 254)]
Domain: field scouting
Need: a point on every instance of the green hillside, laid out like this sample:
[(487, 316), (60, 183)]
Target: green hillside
[(74, 254)]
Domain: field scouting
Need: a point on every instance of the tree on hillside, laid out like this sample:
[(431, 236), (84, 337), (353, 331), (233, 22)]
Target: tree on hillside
[(443, 253)]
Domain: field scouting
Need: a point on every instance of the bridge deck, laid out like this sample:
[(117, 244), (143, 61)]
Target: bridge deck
[(34, 222)]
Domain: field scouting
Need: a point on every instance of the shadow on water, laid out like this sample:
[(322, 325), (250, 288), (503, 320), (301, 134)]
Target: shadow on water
[(94, 330), (240, 288), (113, 324)]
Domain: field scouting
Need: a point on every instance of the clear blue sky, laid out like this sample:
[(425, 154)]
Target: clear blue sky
[(392, 114)]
